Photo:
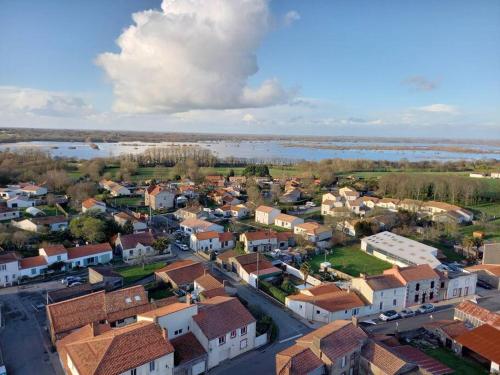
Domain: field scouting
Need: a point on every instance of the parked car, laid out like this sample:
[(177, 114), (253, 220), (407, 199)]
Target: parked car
[(389, 315), (484, 285), (426, 308), (407, 313), (74, 283), (184, 247), (71, 279), (367, 323)]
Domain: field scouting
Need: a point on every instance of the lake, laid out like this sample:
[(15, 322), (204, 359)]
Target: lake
[(265, 150)]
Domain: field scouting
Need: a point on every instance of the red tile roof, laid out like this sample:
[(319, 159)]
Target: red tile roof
[(385, 359), (208, 282), (226, 236), (484, 341), (220, 315), (182, 272), (88, 250), (425, 362), (297, 360), (130, 241), (167, 309), (187, 348), (201, 236), (31, 262), (334, 301), (494, 269), (260, 235), (265, 209), (54, 250), (413, 273), (482, 314), (91, 202), (118, 350)]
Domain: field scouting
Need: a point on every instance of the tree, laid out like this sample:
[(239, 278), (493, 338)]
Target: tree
[(161, 244), (56, 180), (88, 228), (305, 268), (128, 227)]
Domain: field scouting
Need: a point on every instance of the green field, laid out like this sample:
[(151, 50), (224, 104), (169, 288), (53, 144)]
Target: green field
[(462, 366), (351, 260), (491, 209), (134, 273), (126, 201), (491, 230)]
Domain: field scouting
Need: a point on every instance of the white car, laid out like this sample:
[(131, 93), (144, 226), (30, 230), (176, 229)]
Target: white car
[(407, 313), (184, 247), (426, 308), (389, 315)]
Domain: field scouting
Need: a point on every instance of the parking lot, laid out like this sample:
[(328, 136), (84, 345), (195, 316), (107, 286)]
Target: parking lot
[(24, 340)]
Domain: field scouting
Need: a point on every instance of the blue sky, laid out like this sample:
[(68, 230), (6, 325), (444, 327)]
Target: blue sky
[(324, 66)]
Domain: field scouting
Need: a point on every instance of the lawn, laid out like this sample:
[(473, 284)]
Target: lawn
[(351, 260), (491, 230), (127, 201), (491, 209), (134, 273), (462, 366)]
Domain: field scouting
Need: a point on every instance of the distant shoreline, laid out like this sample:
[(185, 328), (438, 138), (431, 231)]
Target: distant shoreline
[(15, 135)]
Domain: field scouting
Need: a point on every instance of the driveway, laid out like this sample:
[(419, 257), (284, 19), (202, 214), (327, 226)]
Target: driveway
[(24, 340)]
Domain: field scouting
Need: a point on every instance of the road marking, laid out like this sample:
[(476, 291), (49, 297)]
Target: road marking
[(291, 338)]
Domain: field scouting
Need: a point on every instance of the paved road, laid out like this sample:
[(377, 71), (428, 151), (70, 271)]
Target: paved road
[(25, 342)]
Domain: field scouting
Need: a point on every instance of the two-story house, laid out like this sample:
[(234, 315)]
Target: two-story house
[(383, 292), (266, 215)]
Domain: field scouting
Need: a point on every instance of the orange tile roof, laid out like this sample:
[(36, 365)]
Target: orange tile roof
[(335, 339), (208, 282), (323, 289), (297, 360), (260, 235), (31, 262), (482, 314), (452, 328), (413, 273), (265, 209), (220, 315), (286, 218), (91, 202), (226, 236), (426, 363), (119, 350), (381, 282), (200, 236), (166, 310), (214, 293), (224, 257), (494, 269), (484, 341), (54, 250), (385, 359), (182, 272), (334, 301), (88, 250)]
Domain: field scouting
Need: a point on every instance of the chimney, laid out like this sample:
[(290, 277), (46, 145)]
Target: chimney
[(362, 275), (164, 333), (188, 298), (95, 327), (354, 320)]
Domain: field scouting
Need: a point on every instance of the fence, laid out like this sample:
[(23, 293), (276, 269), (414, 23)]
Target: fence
[(297, 273)]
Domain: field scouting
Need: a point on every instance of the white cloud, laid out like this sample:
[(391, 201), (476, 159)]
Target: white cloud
[(42, 103), (248, 118), (291, 17), (192, 54), (439, 108)]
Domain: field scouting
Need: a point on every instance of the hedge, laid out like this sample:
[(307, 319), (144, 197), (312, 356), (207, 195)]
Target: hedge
[(273, 291)]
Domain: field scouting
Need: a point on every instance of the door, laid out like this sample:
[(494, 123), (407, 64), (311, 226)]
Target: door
[(423, 297)]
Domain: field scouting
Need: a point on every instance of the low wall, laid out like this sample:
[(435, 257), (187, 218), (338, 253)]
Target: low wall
[(339, 274), (261, 340), (297, 273)]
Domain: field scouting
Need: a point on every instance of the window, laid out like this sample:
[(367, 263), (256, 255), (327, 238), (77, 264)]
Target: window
[(317, 311), (243, 331), (381, 294), (178, 332), (222, 340), (133, 371), (152, 366), (243, 344), (431, 295), (3, 267), (33, 271), (417, 287), (381, 306), (432, 284), (233, 334), (394, 302), (442, 284), (416, 297), (58, 258), (343, 361)]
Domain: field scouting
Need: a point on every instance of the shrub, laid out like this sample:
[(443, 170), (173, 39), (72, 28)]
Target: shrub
[(273, 291)]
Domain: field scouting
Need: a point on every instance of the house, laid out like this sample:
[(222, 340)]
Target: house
[(266, 215), (237, 181), (326, 303), (379, 358), (138, 224), (287, 221), (456, 283), (224, 328), (475, 315), (32, 266), (32, 190), (383, 292), (7, 193), (9, 268), (115, 189), (339, 212), (252, 267), (158, 197), (224, 211), (348, 227), (215, 180), (447, 331), (291, 196), (260, 241), (93, 204), (399, 250), (181, 274), (106, 276), (54, 253), (390, 204), (189, 226), (411, 205), (135, 246), (43, 223), (421, 281), (331, 197), (356, 206), (435, 208), (239, 211), (488, 273), (139, 348), (8, 213), (211, 241), (194, 212), (116, 308), (191, 356), (349, 194), (368, 202), (313, 232), (89, 255), (332, 349), (481, 343), (20, 201), (207, 286)]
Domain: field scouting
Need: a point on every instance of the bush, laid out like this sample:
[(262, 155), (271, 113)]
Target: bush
[(273, 291)]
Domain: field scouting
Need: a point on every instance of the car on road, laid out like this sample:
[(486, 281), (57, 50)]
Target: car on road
[(407, 313), (74, 283), (367, 323), (389, 315), (184, 247), (426, 308), (482, 284), (71, 279)]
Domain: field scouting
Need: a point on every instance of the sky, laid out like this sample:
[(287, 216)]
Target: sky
[(313, 67)]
